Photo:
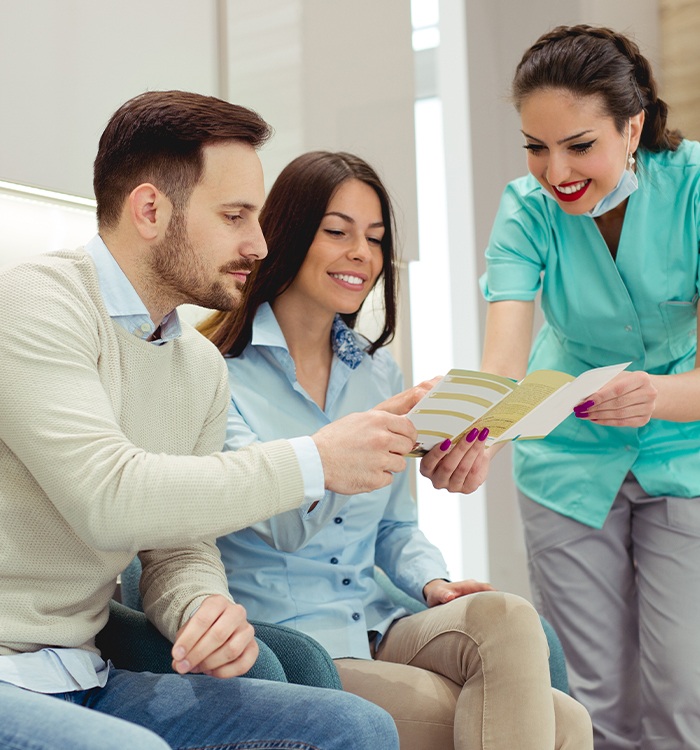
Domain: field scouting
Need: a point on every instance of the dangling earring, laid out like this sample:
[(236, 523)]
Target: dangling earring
[(630, 161)]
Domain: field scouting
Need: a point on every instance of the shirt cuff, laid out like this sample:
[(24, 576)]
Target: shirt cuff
[(311, 468)]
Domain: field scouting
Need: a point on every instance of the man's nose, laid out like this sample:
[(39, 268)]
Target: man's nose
[(255, 246)]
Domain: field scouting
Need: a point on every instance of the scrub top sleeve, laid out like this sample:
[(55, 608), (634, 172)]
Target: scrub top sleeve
[(517, 248), (697, 232)]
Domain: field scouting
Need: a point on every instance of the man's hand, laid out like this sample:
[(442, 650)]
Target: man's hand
[(362, 451), (217, 640), (438, 591), (403, 402), (628, 400), (461, 467)]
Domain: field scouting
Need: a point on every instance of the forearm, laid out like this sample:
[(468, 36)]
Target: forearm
[(678, 396), (404, 553), (174, 583), (508, 338)]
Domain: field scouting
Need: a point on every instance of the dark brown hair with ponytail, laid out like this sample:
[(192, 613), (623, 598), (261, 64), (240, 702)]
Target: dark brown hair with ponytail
[(587, 61)]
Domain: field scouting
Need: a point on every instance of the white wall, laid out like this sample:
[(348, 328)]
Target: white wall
[(67, 65), (336, 76)]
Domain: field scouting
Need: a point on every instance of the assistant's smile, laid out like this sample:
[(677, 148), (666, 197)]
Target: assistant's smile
[(571, 191)]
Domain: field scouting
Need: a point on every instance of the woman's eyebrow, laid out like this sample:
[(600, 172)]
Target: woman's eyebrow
[(563, 140), (349, 219)]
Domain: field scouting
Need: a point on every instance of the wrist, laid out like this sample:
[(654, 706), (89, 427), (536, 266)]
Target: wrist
[(430, 584)]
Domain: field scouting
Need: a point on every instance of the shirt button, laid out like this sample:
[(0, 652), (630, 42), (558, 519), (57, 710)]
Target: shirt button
[(338, 519), (334, 560), (628, 328), (346, 581), (145, 327), (356, 616)]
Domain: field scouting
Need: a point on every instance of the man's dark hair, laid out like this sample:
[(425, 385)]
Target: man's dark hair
[(158, 137)]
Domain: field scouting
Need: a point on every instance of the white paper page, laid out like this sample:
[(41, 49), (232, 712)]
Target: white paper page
[(455, 403), (555, 409)]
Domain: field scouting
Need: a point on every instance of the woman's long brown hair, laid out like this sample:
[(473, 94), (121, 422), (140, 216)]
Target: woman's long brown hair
[(290, 219)]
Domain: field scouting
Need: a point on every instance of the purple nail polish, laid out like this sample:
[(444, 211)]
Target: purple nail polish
[(581, 414), (445, 444), (483, 434), (585, 406), (471, 435)]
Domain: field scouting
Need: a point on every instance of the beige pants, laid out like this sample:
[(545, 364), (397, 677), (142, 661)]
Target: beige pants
[(471, 675)]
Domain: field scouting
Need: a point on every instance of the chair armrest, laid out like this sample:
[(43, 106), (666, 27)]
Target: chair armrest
[(304, 660), (286, 655), (557, 662), (131, 642)]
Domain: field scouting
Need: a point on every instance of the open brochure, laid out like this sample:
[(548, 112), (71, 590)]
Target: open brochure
[(527, 410)]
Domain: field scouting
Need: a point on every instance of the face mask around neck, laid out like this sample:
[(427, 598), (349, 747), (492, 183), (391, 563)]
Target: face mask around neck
[(626, 185)]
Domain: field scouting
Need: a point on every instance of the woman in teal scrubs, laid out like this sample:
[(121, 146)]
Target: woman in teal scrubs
[(606, 226)]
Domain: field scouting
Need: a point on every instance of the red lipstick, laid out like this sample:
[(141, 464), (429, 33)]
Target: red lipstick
[(569, 197)]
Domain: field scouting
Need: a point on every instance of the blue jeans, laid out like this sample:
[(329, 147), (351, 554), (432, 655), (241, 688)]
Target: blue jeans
[(192, 712)]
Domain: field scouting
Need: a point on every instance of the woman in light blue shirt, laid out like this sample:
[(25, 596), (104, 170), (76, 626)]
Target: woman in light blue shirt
[(295, 364), (607, 226)]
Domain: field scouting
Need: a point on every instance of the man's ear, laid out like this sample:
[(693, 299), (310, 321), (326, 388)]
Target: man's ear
[(149, 211)]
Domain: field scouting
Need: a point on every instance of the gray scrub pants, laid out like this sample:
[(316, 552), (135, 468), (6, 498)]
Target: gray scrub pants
[(625, 602)]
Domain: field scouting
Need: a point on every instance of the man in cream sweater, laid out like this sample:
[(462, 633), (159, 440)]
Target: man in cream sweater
[(112, 416)]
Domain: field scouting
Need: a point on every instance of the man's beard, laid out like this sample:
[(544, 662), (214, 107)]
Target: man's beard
[(178, 271)]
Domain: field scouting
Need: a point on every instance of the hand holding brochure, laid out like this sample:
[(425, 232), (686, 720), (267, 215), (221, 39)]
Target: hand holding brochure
[(527, 410)]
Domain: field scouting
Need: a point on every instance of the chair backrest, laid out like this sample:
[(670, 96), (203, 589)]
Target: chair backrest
[(130, 577)]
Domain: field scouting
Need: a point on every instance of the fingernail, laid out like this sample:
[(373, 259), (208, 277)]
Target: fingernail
[(584, 406), (445, 444), (183, 666), (178, 653), (484, 434), (581, 414), (471, 436)]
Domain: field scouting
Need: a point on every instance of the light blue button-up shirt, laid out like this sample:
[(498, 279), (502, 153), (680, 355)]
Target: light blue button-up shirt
[(58, 670), (599, 310), (313, 569)]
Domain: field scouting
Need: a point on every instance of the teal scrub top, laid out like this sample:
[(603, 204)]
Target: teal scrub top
[(640, 306)]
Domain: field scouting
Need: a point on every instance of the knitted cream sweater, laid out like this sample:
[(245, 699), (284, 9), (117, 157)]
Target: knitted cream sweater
[(107, 446)]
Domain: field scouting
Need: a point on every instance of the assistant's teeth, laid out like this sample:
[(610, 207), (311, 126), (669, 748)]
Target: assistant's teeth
[(569, 189), (348, 279)]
